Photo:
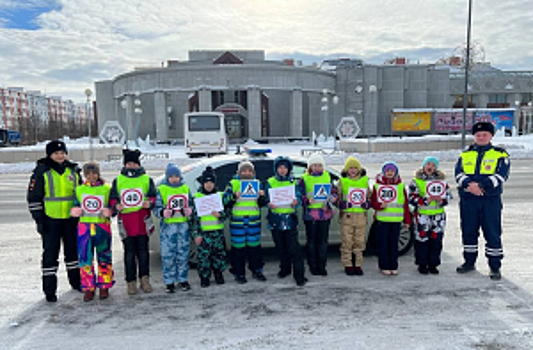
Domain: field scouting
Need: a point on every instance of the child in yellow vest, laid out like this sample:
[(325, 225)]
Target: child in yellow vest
[(429, 193), (174, 207), (94, 232), (355, 200)]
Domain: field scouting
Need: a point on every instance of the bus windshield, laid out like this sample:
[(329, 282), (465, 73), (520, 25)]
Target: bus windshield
[(204, 123)]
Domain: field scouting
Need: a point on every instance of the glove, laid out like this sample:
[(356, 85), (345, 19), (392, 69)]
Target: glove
[(40, 227), (365, 205), (187, 211), (167, 213)]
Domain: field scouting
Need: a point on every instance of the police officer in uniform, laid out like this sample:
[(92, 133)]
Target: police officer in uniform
[(51, 194), (480, 173)]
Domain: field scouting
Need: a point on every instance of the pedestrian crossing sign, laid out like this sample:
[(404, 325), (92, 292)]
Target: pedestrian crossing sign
[(249, 189), (321, 192)]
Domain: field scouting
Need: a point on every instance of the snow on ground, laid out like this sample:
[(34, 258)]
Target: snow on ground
[(519, 147)]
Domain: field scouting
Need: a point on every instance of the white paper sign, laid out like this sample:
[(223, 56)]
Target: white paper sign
[(131, 197), (92, 204), (206, 205), (282, 195), (387, 194), (436, 189)]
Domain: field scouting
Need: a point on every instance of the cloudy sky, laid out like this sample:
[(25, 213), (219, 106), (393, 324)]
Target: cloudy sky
[(62, 46)]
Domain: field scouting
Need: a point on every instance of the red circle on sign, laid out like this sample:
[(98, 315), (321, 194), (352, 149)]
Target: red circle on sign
[(132, 191), (89, 208), (443, 189), (177, 196), (387, 200), (362, 196)]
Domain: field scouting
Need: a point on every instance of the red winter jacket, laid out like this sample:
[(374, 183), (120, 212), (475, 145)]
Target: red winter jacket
[(382, 180)]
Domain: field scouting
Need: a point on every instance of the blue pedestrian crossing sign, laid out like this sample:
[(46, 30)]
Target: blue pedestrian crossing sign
[(249, 189), (321, 192)]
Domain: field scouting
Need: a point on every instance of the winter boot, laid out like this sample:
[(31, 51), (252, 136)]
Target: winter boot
[(185, 286), (145, 284), (89, 295), (219, 277), (104, 293), (258, 275), (204, 282), (51, 298), (495, 274), (240, 279), (350, 270), (423, 269), (132, 288), (465, 268), (171, 288), (433, 270), (358, 271)]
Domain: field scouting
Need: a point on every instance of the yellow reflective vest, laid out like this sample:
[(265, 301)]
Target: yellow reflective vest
[(488, 163), (432, 208), (92, 200), (59, 192), (244, 206), (310, 182), (141, 183), (394, 211), (209, 222), (346, 184), (167, 192)]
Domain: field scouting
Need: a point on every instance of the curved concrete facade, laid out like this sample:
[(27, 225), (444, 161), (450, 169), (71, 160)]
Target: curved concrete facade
[(276, 99)]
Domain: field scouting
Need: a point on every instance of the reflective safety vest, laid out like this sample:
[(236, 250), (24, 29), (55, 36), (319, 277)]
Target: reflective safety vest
[(59, 193), (346, 184), (168, 192), (282, 209), (92, 200), (209, 222), (433, 208), (488, 163), (141, 183), (394, 211), (310, 182), (243, 206)]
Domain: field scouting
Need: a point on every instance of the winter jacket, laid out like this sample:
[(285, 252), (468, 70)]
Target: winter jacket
[(376, 205), (414, 193), (343, 204), (195, 222), (134, 222), (36, 187), (159, 206), (320, 214)]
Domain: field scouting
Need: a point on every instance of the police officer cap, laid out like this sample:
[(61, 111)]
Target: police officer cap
[(483, 126), (54, 146)]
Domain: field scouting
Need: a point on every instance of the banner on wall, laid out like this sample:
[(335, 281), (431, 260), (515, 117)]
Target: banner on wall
[(451, 120), (411, 121), (501, 118)]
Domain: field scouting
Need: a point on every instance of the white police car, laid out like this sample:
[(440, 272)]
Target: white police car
[(225, 168)]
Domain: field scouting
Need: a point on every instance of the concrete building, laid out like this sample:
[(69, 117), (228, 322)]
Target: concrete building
[(266, 99)]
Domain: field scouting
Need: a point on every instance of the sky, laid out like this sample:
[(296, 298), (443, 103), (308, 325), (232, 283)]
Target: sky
[(62, 47)]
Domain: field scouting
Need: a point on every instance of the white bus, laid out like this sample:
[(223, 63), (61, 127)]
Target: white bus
[(205, 134)]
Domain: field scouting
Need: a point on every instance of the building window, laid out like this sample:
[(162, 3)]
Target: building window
[(497, 98)]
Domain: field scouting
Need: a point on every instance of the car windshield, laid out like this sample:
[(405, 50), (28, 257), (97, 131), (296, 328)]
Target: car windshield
[(204, 123)]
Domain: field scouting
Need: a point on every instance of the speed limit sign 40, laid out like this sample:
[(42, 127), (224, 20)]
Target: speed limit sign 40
[(436, 189), (92, 204), (131, 197)]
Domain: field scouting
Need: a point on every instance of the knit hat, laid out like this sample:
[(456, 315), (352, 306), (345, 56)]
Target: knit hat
[(131, 156), (245, 164), (208, 175), (279, 161), (172, 169), (483, 126), (91, 167), (54, 146), (433, 160), (315, 159), (388, 166), (352, 162)]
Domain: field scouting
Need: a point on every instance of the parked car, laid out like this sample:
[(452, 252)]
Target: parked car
[(225, 168)]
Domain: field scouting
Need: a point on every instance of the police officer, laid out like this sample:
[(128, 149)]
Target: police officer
[(50, 197), (480, 173)]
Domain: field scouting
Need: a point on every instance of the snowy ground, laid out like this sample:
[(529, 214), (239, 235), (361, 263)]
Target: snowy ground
[(519, 147)]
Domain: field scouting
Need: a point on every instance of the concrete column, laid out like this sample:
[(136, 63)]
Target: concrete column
[(161, 119), (204, 96), (254, 112), (296, 113), (130, 117)]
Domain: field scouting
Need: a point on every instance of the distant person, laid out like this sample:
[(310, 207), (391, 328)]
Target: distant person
[(390, 202), (318, 195), (245, 222), (173, 206), (132, 196), (283, 222), (355, 201), (208, 234), (429, 194), (94, 232), (50, 197), (480, 173)]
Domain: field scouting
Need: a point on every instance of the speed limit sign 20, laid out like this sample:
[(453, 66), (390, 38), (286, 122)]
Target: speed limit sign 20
[(92, 204)]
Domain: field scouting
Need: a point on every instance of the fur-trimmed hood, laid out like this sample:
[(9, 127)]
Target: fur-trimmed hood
[(437, 175)]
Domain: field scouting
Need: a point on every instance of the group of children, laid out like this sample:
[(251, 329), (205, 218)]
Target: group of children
[(134, 198)]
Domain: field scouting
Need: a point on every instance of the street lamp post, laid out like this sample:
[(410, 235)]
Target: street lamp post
[(373, 89), (124, 105), (138, 111), (88, 93), (467, 68)]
